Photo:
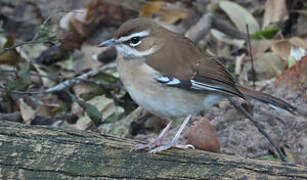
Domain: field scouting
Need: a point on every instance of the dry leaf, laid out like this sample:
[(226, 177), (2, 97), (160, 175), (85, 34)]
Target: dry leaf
[(75, 21), (259, 47), (169, 13), (50, 106), (11, 57), (296, 76), (105, 106), (294, 48), (266, 66), (87, 60), (275, 11), (239, 16), (224, 38), (294, 157), (297, 41), (27, 112), (46, 81), (64, 22), (282, 49), (200, 29), (203, 136), (79, 22)]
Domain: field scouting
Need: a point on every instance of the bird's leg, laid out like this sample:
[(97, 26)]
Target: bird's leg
[(157, 141), (173, 142)]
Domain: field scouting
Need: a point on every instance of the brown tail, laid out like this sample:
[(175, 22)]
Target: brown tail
[(267, 99)]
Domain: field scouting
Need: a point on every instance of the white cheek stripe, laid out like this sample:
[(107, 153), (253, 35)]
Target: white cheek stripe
[(138, 34)]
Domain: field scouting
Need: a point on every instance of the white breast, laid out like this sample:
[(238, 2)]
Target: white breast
[(165, 102)]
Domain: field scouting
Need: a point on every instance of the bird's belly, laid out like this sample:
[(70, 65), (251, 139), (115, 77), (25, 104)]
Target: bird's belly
[(163, 101)]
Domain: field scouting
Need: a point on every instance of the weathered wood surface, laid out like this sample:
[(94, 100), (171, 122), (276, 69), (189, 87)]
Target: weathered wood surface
[(35, 152)]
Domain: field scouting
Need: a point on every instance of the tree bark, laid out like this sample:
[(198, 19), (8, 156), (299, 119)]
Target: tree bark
[(36, 152)]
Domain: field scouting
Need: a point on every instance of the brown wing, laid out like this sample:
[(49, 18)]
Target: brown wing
[(211, 72), (189, 68)]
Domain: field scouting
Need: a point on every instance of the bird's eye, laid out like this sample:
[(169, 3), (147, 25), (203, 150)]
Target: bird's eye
[(135, 41)]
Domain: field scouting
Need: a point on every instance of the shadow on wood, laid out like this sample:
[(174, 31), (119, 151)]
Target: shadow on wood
[(35, 152)]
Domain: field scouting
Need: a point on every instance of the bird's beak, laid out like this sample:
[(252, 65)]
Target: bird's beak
[(108, 43)]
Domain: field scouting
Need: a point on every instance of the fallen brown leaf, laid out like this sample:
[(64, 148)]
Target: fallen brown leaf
[(11, 57), (239, 16), (168, 12), (267, 66), (275, 11), (282, 49), (27, 112), (203, 136), (295, 77)]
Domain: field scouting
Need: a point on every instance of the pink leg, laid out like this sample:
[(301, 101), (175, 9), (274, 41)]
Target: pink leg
[(157, 141), (173, 143)]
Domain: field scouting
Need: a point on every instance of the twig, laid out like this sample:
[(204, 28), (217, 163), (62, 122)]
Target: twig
[(18, 45), (108, 86), (32, 41), (68, 83), (71, 82), (260, 128), (44, 23), (22, 92), (251, 56)]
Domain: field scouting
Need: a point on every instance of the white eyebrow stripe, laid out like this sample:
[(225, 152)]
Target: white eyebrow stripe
[(138, 34)]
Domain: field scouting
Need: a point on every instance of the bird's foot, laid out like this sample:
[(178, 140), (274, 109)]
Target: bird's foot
[(149, 146), (173, 143), (170, 145), (157, 141), (157, 147)]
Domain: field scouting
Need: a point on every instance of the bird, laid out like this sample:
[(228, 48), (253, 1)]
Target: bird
[(171, 77)]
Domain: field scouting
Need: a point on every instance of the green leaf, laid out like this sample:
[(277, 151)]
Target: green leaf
[(291, 62), (93, 113), (267, 33), (46, 34), (90, 109), (107, 77), (23, 79), (112, 118)]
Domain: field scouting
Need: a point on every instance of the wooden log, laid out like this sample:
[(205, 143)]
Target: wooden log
[(37, 152)]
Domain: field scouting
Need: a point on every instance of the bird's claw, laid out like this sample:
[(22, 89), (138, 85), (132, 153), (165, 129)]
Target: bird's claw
[(168, 146)]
